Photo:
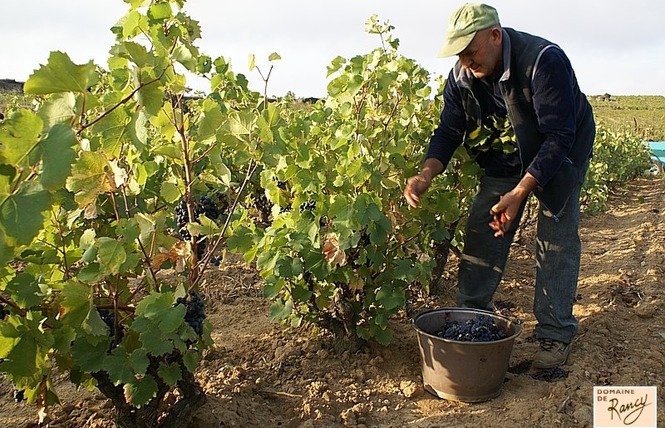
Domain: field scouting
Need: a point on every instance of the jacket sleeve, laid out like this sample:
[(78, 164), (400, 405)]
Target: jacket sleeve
[(553, 88), (450, 132)]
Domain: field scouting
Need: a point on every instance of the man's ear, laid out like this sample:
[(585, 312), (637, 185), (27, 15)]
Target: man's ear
[(496, 35)]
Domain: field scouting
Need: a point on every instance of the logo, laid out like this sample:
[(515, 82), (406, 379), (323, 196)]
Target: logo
[(624, 406)]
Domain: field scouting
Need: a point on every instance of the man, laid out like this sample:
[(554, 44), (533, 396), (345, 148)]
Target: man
[(502, 72)]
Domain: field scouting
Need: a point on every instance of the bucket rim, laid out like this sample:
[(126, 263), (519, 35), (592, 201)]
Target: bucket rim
[(518, 327)]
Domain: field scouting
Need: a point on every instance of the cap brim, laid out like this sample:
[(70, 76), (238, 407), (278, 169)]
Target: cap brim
[(454, 47)]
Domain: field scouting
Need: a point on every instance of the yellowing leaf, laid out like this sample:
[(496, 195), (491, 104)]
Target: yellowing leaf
[(357, 283), (335, 256)]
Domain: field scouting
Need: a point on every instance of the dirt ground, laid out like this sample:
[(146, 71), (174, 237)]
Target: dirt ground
[(258, 375)]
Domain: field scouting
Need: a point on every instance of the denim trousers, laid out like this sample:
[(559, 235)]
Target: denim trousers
[(558, 251)]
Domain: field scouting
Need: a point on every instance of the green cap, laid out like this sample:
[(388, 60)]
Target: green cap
[(463, 25)]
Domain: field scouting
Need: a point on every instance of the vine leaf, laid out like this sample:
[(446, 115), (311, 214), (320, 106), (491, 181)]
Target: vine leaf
[(58, 156), (331, 249), (18, 135), (77, 310), (88, 356), (89, 178), (159, 309), (60, 74), (117, 368), (111, 254), (19, 342), (140, 391), (24, 290), (170, 373), (21, 213)]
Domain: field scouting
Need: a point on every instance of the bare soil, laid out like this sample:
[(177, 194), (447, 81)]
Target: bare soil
[(259, 375)]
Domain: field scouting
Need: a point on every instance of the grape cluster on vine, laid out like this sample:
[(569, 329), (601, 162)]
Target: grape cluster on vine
[(208, 208), (109, 319), (195, 310), (205, 206), (310, 205), (479, 329), (182, 218)]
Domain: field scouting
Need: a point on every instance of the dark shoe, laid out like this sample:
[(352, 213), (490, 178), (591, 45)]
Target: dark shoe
[(551, 354)]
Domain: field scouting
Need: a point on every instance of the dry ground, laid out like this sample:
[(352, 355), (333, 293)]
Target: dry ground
[(260, 376)]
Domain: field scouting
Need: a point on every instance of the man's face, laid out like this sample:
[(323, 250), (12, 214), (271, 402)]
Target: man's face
[(483, 55)]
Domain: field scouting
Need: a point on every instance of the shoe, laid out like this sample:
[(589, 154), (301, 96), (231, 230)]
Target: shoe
[(552, 353)]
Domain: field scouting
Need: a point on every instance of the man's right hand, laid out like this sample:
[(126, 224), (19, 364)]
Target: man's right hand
[(418, 184), (415, 187)]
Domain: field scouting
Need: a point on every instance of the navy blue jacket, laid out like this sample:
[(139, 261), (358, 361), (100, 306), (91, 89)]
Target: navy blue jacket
[(551, 117)]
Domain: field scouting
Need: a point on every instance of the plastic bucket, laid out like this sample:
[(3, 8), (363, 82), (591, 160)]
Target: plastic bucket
[(463, 371)]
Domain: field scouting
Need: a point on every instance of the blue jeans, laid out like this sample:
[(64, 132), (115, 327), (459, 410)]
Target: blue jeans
[(558, 251)]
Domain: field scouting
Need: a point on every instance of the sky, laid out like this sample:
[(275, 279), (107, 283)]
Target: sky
[(616, 47)]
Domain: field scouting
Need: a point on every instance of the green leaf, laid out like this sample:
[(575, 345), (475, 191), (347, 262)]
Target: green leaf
[(77, 309), (113, 132), (160, 11), (170, 373), (21, 213), (24, 290), (222, 172), (90, 357), (170, 192), (58, 156), (382, 335), (274, 57), (251, 62), (140, 391), (138, 129), (90, 274), (19, 135), (151, 96), (335, 65), (111, 254), (390, 296), (209, 121), (281, 310), (379, 230), (139, 361), (205, 227), (60, 74), (191, 360), (117, 368), (301, 293), (155, 342), (58, 109), (158, 307), (6, 252), (89, 178), (184, 56), (23, 347)]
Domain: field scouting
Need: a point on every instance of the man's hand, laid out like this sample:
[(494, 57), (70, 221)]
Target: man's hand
[(503, 214), (506, 210), (415, 187), (418, 184)]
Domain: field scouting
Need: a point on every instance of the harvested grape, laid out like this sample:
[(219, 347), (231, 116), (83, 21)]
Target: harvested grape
[(479, 329)]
